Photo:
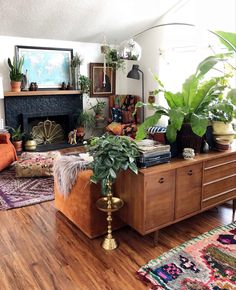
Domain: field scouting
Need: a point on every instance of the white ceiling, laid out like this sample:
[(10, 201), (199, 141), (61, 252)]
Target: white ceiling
[(80, 20)]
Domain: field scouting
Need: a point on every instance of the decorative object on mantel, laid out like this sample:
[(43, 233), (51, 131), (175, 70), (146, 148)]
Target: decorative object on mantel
[(16, 73), (111, 155), (206, 262), (53, 63), (75, 64), (33, 86)]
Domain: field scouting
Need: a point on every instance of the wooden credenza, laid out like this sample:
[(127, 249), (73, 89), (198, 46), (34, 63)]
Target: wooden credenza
[(165, 194)]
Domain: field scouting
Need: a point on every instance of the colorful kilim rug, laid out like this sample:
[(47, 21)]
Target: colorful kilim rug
[(207, 262), (18, 192)]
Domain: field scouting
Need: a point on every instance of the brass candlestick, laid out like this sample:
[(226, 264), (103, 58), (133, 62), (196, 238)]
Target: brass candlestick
[(109, 204)]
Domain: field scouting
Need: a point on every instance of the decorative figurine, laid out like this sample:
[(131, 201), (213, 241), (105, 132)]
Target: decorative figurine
[(72, 137)]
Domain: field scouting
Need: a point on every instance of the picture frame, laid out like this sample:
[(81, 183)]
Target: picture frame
[(47, 66), (102, 85)]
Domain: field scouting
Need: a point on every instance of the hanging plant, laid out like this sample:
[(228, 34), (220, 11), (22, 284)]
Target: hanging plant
[(113, 58)]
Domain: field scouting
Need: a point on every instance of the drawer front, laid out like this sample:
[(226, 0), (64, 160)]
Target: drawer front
[(220, 171), (159, 205), (218, 187), (219, 199), (188, 190), (219, 161)]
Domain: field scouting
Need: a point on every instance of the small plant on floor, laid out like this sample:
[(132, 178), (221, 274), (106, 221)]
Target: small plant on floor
[(112, 154)]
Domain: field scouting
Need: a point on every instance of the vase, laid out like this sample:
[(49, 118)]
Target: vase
[(187, 139), (15, 86)]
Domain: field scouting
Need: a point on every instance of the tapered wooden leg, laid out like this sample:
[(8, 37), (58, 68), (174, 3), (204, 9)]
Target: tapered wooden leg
[(155, 237), (234, 208)]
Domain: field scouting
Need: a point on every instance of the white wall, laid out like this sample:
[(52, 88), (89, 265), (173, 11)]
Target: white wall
[(90, 52), (173, 52)]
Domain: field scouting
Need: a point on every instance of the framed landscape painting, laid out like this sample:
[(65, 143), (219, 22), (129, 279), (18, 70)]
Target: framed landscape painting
[(103, 80), (47, 66)]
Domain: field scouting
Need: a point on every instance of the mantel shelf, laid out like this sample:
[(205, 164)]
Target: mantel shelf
[(42, 92)]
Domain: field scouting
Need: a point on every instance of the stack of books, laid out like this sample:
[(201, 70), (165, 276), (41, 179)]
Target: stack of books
[(152, 153)]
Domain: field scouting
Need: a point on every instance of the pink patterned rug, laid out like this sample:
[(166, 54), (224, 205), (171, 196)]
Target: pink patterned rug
[(17, 192), (207, 262)]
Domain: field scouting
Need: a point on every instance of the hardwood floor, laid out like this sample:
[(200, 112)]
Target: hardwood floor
[(40, 250)]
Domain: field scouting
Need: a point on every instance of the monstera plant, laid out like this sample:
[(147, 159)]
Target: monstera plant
[(191, 105), (111, 155)]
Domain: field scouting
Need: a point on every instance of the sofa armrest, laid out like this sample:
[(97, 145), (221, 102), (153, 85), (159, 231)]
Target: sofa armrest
[(5, 138)]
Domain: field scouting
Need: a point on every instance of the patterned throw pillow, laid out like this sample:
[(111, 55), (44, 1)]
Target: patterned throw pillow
[(116, 115), (127, 117)]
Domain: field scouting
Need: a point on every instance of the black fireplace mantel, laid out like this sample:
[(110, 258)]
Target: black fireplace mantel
[(40, 103)]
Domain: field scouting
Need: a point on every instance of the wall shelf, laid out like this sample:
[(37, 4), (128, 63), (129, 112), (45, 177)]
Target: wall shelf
[(42, 92)]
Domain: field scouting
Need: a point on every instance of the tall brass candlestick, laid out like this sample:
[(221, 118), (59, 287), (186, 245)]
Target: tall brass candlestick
[(109, 204)]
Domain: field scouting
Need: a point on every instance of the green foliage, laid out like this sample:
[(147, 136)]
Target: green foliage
[(84, 119), (16, 133), (76, 61), (16, 68), (191, 105), (113, 59), (230, 38), (111, 155), (84, 83), (99, 107)]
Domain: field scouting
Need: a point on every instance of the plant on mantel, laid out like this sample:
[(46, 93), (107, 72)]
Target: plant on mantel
[(16, 75)]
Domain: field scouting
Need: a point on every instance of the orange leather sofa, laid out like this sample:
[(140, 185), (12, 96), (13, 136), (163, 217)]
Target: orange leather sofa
[(80, 206), (7, 151)]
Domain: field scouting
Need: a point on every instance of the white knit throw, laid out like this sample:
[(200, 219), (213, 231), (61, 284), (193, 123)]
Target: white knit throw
[(66, 170)]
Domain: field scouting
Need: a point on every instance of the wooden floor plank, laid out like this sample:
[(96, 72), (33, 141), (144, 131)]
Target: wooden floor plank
[(39, 249)]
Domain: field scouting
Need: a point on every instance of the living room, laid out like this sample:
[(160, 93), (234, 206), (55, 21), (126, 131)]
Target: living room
[(50, 240)]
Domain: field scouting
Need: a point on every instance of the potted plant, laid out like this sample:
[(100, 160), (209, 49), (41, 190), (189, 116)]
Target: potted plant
[(113, 58), (188, 110), (16, 73), (84, 84), (17, 138), (75, 64), (111, 154), (84, 120), (98, 110)]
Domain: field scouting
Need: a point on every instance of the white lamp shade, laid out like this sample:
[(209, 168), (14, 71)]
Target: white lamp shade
[(1, 89)]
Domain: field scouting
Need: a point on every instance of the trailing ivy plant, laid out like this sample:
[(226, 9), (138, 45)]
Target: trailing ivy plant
[(113, 58), (111, 155), (191, 105)]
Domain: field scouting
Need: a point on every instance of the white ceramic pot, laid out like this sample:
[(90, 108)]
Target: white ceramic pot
[(222, 128)]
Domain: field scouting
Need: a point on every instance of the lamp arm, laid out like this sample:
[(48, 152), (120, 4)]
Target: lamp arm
[(184, 24)]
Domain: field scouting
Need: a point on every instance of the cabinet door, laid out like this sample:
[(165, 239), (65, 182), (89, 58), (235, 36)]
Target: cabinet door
[(188, 190), (159, 204)]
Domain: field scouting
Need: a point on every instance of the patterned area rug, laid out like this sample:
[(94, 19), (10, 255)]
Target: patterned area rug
[(207, 262), (18, 192)]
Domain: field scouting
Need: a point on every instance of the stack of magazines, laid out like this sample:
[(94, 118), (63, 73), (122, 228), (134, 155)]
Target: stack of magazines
[(152, 153)]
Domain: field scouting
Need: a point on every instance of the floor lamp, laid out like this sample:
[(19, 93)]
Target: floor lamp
[(135, 74)]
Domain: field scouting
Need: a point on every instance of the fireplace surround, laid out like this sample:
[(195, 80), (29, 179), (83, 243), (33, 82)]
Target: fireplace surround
[(22, 108)]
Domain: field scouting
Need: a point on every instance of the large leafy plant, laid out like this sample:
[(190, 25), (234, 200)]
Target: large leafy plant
[(191, 105), (111, 155)]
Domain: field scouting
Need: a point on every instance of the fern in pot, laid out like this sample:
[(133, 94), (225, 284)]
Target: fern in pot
[(188, 110)]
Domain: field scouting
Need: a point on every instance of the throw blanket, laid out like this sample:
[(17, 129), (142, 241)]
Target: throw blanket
[(66, 170)]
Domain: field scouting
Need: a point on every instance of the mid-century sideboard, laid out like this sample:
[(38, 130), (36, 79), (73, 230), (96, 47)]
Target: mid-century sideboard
[(165, 194)]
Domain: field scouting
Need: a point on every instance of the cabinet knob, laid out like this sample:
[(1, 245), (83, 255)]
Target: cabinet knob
[(161, 180), (190, 172)]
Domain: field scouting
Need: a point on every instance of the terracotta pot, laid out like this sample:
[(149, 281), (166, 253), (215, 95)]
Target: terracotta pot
[(15, 86), (80, 133), (187, 139), (30, 145), (18, 145)]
